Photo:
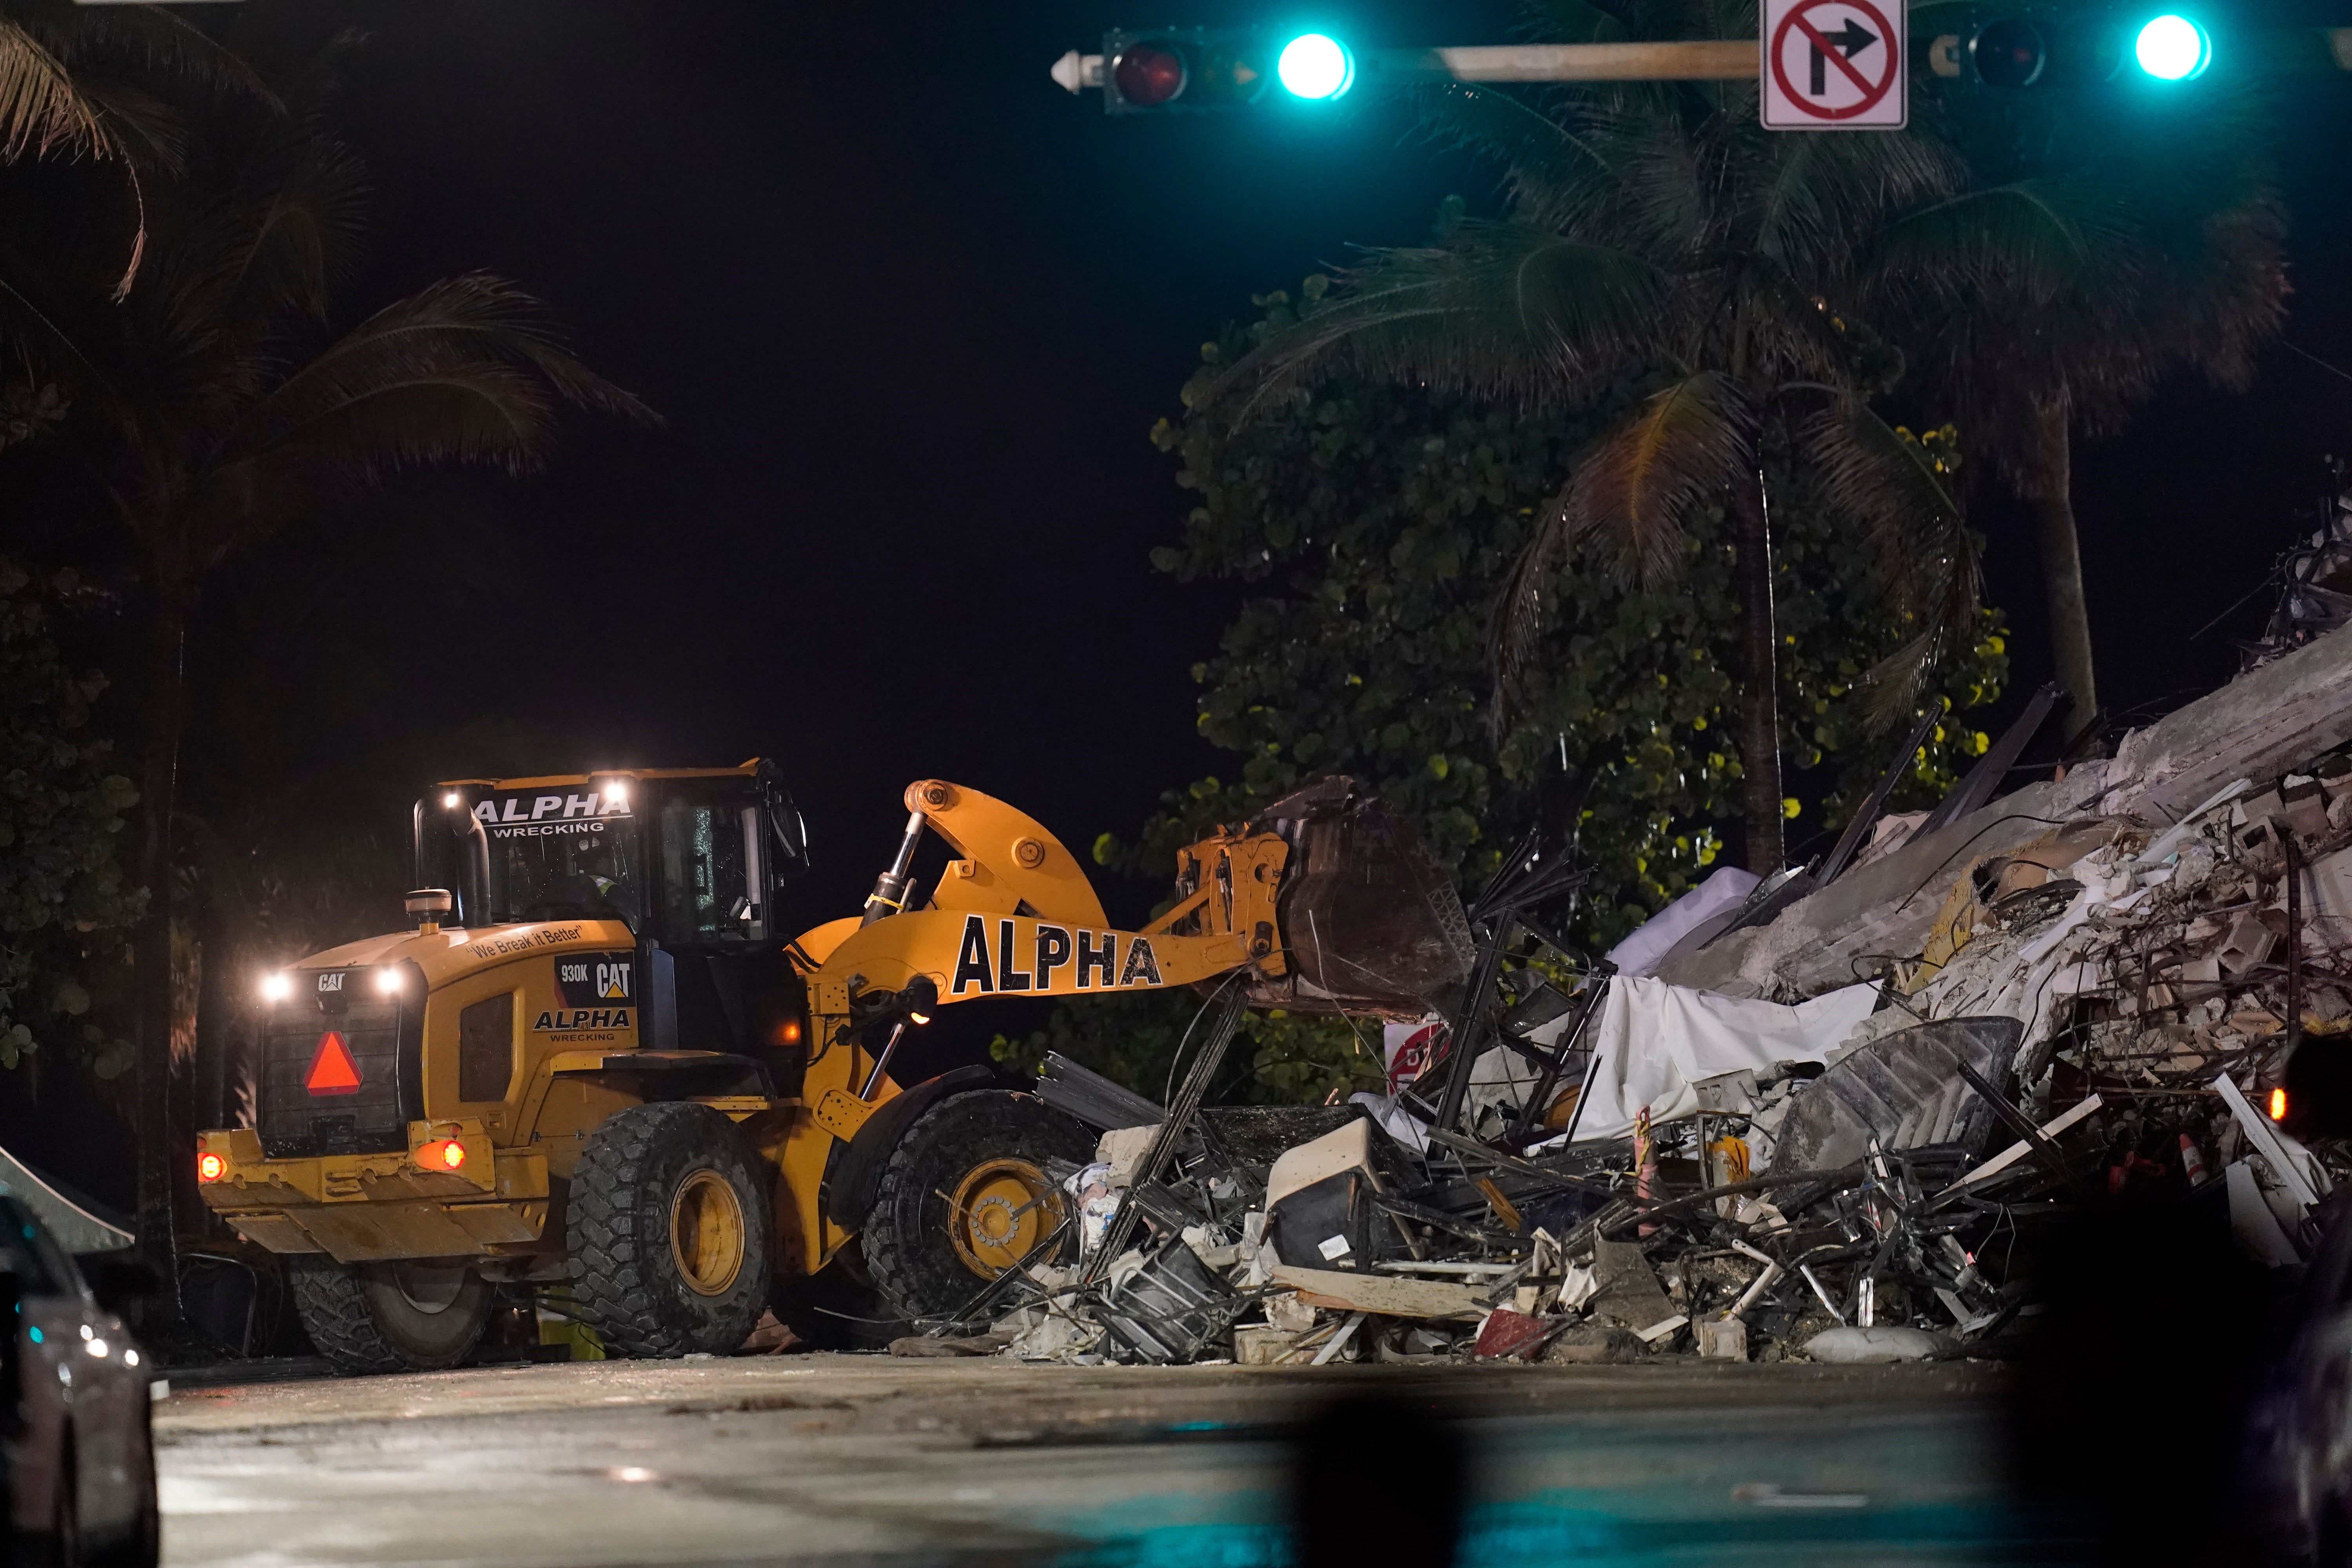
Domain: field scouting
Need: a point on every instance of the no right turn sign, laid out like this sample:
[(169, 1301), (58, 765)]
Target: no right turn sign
[(1834, 65)]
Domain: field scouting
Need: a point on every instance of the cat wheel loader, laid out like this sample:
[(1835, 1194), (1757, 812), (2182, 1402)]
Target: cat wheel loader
[(596, 1061)]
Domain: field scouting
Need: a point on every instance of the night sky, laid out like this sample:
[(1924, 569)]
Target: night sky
[(909, 311)]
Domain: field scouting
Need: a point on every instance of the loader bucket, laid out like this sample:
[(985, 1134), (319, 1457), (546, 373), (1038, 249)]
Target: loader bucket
[(1369, 923)]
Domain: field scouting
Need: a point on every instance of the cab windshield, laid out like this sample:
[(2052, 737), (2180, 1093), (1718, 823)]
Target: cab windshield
[(562, 856)]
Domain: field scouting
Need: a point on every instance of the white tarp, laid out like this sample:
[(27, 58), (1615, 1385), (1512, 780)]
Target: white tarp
[(1655, 1040), (1642, 952)]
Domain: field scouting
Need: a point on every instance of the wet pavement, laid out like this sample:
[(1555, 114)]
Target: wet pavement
[(843, 1461)]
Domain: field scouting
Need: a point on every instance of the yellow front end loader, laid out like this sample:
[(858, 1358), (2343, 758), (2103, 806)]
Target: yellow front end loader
[(595, 1062)]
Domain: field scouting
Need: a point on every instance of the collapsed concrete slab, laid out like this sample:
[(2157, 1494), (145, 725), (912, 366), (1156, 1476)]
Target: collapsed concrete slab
[(2258, 726)]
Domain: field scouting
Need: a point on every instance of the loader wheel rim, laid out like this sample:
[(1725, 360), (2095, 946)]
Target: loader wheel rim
[(428, 1288), (999, 1213), (707, 1233)]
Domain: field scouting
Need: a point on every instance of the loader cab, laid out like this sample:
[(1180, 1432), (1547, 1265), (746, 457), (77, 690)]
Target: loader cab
[(687, 859), (695, 863)]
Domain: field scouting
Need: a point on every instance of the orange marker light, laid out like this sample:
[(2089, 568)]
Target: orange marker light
[(920, 1019), (442, 1154), (790, 1033), (2278, 1105), (211, 1167)]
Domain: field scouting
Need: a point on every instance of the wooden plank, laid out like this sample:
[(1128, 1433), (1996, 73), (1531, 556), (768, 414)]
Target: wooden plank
[(1346, 1292)]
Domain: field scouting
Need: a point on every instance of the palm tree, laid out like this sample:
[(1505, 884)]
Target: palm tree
[(74, 84), (2117, 240), (1664, 252), (217, 408)]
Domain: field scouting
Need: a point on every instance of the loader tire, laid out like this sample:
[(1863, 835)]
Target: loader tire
[(669, 1222), (965, 1195), (418, 1316), (835, 1310)]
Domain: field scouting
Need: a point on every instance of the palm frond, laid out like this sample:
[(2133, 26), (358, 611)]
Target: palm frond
[(41, 110), (157, 41), (1506, 310), (1815, 196), (1687, 443), (1635, 486), (149, 133), (1572, 22), (2040, 236), (1518, 617), (276, 247), (1922, 553), (1548, 166), (485, 414), (474, 348)]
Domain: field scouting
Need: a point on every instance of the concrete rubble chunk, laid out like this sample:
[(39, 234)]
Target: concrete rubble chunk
[(1627, 1292), (2259, 726), (1595, 1345), (1854, 1346)]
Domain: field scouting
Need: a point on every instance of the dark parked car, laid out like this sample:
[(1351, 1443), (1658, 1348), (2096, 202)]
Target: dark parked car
[(81, 1460)]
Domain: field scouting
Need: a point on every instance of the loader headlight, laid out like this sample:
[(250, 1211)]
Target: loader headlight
[(388, 981), (277, 987)]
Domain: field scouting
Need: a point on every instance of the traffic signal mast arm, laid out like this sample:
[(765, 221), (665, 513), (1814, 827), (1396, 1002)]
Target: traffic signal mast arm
[(1707, 59), (1947, 55)]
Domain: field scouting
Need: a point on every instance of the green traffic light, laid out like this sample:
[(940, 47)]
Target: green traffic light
[(1315, 66), (2172, 47)]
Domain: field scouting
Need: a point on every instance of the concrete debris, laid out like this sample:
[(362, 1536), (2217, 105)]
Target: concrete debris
[(1595, 1345), (1723, 1339), (1511, 1335), (1855, 1345), (1836, 1127)]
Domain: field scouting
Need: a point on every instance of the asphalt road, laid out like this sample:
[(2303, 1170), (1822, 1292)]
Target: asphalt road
[(843, 1461)]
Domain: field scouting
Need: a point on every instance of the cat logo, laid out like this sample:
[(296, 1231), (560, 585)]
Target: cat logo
[(331, 981), (596, 979)]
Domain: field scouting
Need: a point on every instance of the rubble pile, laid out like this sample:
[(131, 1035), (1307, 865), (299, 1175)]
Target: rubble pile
[(1579, 1164), (2170, 977)]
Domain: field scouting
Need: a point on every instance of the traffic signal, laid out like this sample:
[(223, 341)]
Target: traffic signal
[(1315, 67), (2172, 47), (1205, 70), (2048, 47)]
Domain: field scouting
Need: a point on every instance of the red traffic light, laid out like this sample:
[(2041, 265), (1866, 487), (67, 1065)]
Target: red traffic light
[(2009, 53), (1178, 70), (1149, 74)]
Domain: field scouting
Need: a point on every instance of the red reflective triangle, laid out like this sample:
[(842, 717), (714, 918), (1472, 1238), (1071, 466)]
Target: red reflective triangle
[(333, 1071)]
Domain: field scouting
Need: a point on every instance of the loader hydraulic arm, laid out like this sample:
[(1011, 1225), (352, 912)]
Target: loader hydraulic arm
[(1013, 914)]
